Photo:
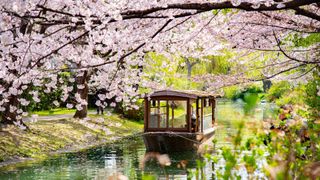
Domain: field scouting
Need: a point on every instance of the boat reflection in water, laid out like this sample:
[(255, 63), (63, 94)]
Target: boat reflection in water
[(179, 120), (176, 166)]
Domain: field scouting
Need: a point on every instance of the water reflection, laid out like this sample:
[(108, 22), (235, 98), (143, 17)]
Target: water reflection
[(124, 158), (103, 162)]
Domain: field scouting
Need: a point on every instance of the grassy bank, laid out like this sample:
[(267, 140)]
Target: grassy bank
[(56, 111), (54, 136)]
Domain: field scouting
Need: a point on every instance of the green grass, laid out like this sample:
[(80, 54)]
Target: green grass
[(57, 111)]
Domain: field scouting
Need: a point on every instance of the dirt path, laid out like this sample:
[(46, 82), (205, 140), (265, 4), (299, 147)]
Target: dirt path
[(52, 117)]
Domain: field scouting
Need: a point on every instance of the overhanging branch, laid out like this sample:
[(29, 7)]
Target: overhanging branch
[(306, 13)]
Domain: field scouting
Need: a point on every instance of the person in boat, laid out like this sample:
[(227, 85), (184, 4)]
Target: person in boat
[(193, 121)]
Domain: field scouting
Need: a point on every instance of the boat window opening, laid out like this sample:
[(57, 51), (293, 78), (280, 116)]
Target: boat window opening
[(207, 115), (178, 114), (158, 114), (163, 114)]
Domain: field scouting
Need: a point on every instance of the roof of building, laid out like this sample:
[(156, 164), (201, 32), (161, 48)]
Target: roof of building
[(193, 94)]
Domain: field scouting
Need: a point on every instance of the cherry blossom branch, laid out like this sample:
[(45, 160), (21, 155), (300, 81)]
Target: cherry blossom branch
[(277, 50), (281, 27), (281, 72), (176, 25), (223, 5), (304, 12), (56, 31), (55, 51), (288, 20), (290, 57), (305, 73), (10, 29), (121, 60), (44, 8), (271, 65), (202, 28), (202, 7), (248, 80)]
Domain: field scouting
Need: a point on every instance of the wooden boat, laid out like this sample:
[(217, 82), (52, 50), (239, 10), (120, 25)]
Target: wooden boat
[(178, 120)]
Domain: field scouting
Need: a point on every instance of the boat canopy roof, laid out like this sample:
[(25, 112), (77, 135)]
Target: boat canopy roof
[(192, 94)]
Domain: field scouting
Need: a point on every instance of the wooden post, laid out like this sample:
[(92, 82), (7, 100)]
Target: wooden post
[(146, 114), (158, 114), (213, 111), (167, 121), (188, 120), (201, 120), (197, 115), (172, 116)]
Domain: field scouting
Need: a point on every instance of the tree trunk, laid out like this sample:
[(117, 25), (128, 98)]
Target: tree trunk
[(7, 116), (118, 108), (10, 118), (83, 80), (266, 85), (189, 68)]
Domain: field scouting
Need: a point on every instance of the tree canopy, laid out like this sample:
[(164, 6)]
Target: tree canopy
[(102, 44)]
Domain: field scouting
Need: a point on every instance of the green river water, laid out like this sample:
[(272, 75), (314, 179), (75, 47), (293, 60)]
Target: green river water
[(125, 156)]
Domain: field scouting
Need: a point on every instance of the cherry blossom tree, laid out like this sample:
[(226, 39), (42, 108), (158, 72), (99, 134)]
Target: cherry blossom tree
[(103, 42)]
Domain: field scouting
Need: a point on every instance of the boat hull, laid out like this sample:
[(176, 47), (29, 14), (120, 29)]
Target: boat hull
[(175, 141)]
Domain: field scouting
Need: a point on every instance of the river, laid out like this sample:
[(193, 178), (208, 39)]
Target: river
[(125, 156)]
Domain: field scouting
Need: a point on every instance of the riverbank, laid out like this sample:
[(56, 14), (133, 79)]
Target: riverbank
[(57, 136)]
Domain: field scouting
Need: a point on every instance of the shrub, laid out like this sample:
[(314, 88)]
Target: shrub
[(312, 97), (252, 89), (135, 114), (277, 90)]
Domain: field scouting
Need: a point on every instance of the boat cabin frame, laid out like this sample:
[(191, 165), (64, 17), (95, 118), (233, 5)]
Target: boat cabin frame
[(179, 111)]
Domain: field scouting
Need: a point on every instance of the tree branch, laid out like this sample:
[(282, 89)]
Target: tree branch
[(280, 27), (278, 73), (305, 73), (199, 7), (306, 13), (223, 5), (290, 57), (121, 60)]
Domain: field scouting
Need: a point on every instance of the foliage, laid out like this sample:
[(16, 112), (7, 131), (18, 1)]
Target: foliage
[(312, 97), (251, 89), (45, 103), (286, 158), (166, 72), (231, 91), (277, 90), (284, 93), (249, 95), (303, 41), (251, 100), (215, 64), (135, 114), (294, 96)]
